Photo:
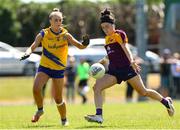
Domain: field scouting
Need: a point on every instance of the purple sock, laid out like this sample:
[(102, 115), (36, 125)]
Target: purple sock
[(99, 111), (165, 102)]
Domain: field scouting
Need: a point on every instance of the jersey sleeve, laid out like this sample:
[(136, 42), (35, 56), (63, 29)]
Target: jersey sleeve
[(42, 33), (123, 36)]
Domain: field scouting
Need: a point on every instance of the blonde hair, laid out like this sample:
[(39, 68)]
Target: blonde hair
[(56, 12)]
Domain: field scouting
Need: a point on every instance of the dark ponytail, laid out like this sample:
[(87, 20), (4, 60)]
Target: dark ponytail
[(106, 16)]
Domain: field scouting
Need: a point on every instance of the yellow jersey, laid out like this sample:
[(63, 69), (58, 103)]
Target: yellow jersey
[(118, 37), (55, 49)]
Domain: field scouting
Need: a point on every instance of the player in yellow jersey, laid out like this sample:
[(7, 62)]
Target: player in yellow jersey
[(54, 41), (122, 67)]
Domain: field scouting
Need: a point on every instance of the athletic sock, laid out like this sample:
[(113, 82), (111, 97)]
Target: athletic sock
[(99, 111), (40, 109), (63, 120), (165, 102)]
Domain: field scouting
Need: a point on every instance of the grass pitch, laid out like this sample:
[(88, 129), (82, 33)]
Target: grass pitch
[(16, 110), (145, 115)]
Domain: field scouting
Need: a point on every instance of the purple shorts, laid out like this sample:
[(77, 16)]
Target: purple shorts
[(51, 73), (123, 73)]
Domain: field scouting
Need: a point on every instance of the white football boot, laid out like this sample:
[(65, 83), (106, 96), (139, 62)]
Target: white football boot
[(94, 118), (65, 123), (171, 109)]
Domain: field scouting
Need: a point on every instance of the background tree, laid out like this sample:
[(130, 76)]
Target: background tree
[(9, 26), (20, 22)]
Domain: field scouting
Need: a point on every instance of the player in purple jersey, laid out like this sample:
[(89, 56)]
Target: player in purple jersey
[(122, 67)]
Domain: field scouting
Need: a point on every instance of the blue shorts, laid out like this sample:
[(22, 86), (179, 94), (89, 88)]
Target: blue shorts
[(51, 73), (122, 74)]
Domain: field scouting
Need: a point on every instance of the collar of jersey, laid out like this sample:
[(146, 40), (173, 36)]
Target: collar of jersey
[(55, 32)]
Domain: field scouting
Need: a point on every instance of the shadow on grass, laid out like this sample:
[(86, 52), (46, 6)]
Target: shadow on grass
[(91, 127), (40, 126), (100, 126)]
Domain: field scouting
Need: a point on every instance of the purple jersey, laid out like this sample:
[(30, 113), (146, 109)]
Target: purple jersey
[(116, 54)]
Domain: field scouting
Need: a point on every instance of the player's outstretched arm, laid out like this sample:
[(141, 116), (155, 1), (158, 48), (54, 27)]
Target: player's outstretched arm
[(33, 46), (76, 43)]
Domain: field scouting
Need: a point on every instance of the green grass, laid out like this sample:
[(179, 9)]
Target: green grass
[(117, 115), (13, 89), (17, 88), (146, 115)]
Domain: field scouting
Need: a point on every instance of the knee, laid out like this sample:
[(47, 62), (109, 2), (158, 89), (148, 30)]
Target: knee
[(58, 97), (60, 103), (58, 100)]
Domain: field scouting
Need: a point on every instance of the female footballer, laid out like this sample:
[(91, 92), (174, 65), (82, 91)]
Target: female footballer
[(54, 40), (121, 67)]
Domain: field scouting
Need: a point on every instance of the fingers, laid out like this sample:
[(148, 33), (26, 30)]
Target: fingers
[(25, 56), (85, 40), (136, 67)]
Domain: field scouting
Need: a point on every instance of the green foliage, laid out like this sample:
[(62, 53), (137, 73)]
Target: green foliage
[(8, 24), (21, 22), (154, 1), (80, 17), (33, 18)]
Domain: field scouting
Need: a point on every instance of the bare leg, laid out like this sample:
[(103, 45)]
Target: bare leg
[(137, 83), (57, 84), (40, 80), (101, 84)]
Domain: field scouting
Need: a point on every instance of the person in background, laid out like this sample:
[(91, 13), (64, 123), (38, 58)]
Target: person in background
[(70, 74), (54, 40), (83, 75), (165, 73), (175, 70)]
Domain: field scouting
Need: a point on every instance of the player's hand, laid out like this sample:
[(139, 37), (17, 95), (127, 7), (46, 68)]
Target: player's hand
[(25, 56), (136, 67), (86, 40)]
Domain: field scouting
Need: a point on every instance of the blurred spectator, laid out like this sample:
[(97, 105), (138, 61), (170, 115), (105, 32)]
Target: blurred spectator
[(165, 72), (70, 75), (175, 69), (83, 74)]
